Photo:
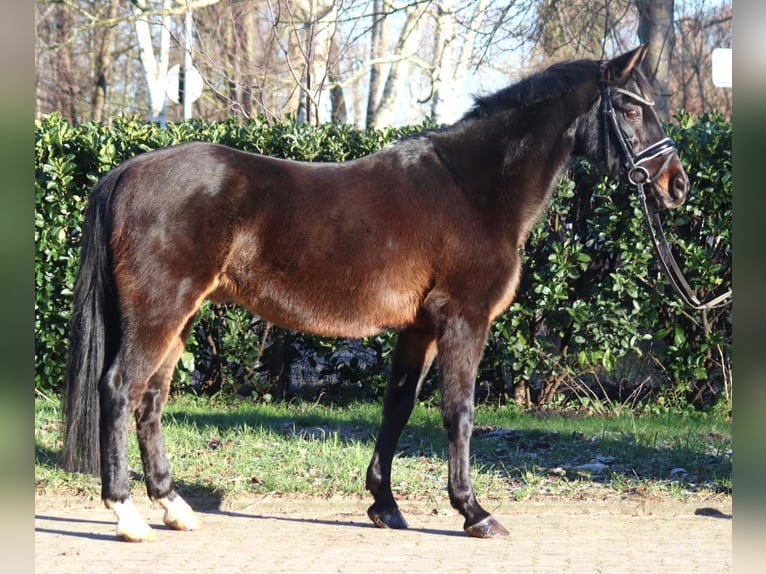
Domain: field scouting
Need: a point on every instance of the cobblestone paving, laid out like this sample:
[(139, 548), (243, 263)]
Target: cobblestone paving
[(335, 536)]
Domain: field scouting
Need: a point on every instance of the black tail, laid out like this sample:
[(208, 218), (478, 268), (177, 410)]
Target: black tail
[(94, 333)]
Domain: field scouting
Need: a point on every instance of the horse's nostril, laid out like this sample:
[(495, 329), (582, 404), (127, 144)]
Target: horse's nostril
[(679, 187)]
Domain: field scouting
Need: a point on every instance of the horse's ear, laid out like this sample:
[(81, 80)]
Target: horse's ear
[(618, 70)]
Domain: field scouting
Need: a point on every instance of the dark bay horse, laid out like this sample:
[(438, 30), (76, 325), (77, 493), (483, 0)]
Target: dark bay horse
[(422, 237)]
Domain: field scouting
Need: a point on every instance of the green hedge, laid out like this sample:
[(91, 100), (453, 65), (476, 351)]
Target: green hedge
[(594, 318)]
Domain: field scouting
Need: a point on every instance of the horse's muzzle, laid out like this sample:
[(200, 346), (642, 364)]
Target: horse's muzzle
[(670, 190)]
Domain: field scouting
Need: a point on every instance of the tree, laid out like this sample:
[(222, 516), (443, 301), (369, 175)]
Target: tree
[(103, 61), (312, 29), (377, 62), (276, 59), (655, 28), (454, 40), (577, 29), (700, 28), (383, 91), (56, 84), (155, 65)]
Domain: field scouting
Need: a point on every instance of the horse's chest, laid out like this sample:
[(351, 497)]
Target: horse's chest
[(505, 291)]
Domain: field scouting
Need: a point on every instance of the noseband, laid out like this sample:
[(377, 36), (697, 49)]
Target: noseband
[(639, 176)]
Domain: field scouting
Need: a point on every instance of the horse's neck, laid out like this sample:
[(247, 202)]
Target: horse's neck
[(513, 170)]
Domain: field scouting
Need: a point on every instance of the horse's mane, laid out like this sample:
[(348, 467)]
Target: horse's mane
[(557, 80)]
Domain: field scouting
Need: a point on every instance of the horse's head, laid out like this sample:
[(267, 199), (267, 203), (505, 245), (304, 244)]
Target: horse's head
[(630, 134)]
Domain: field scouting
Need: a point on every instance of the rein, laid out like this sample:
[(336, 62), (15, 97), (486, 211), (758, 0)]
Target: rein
[(639, 176)]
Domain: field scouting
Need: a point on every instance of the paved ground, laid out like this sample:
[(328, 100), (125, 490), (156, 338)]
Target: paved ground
[(320, 536)]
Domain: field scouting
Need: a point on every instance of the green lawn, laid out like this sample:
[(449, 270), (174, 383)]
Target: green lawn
[(228, 449)]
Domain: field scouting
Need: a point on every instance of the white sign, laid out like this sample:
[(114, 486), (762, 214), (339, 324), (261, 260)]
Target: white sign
[(192, 84), (722, 67)]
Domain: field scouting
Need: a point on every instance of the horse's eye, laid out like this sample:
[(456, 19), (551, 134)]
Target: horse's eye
[(632, 114)]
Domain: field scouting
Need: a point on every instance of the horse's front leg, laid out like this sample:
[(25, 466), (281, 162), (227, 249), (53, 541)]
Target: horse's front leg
[(414, 353), (460, 348)]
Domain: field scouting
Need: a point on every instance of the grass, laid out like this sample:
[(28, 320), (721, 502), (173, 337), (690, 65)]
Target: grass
[(227, 449)]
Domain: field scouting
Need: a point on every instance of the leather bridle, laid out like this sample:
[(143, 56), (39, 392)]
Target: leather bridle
[(638, 175)]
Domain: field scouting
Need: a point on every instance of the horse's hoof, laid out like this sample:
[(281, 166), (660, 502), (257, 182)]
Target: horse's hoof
[(179, 515), (131, 527), (390, 518), (133, 534), (487, 528), (185, 522)]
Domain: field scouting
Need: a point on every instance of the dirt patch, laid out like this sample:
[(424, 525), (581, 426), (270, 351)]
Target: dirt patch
[(323, 536)]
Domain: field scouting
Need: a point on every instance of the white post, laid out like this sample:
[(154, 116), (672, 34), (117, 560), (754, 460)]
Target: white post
[(187, 102), (721, 64)]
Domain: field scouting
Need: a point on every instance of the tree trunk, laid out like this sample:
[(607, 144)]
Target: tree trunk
[(452, 53), (381, 109), (655, 28), (386, 111), (338, 114), (103, 59), (242, 57), (65, 94), (155, 68), (376, 47), (521, 394)]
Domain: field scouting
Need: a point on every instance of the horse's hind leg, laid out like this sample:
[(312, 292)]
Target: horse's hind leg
[(120, 392), (159, 483), (414, 353), (133, 386)]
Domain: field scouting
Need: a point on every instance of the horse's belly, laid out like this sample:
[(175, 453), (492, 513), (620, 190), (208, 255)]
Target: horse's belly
[(325, 306)]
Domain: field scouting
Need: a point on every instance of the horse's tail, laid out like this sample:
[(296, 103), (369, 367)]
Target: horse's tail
[(94, 333)]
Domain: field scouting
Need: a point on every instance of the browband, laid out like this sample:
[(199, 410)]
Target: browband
[(639, 98)]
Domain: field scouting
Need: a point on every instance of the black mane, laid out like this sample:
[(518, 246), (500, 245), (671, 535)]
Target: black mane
[(557, 80)]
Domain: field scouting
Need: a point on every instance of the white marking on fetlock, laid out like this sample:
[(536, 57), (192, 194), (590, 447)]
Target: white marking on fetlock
[(131, 526), (179, 515)]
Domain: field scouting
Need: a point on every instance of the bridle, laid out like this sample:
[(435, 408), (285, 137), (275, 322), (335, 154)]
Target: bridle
[(638, 175)]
